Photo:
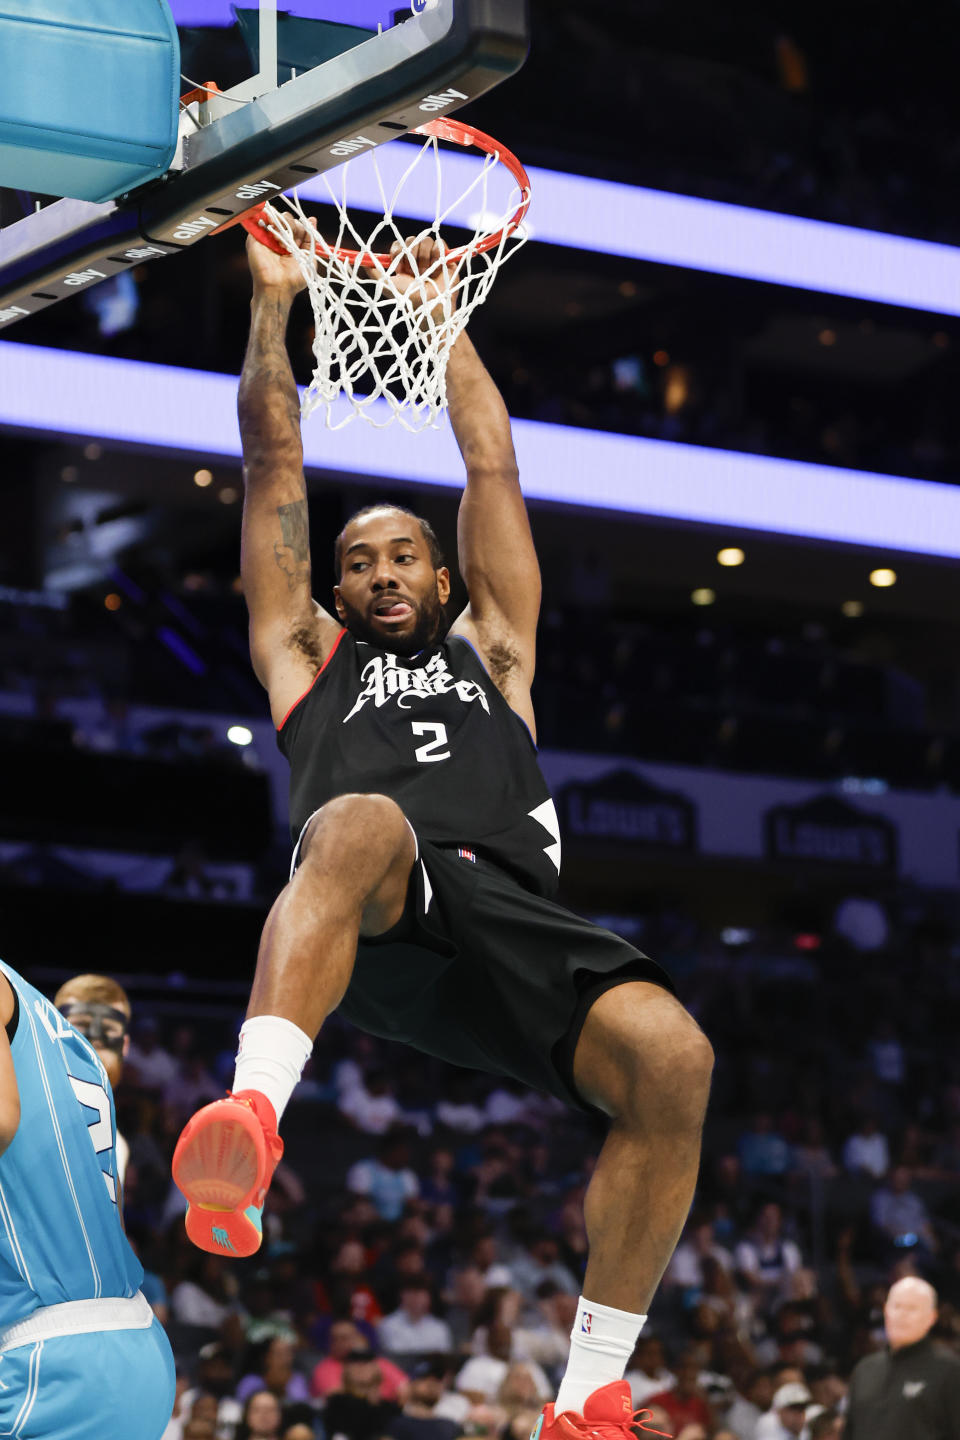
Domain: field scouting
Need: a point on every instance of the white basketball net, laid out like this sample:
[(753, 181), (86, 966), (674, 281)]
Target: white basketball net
[(386, 352)]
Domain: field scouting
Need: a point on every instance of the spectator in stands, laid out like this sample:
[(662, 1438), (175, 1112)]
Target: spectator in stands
[(457, 1109), (358, 1410), (811, 1156), (866, 1151), (387, 1179), (538, 1261), (299, 1430), (215, 1377), (465, 1291), (191, 1087), (546, 1339), (648, 1373), (753, 1400), (787, 1416), (765, 1259), (511, 1103), (762, 1149), (372, 1106), (345, 1339), (270, 1367), (149, 1065), (899, 1214), (261, 1418), (438, 1186), (205, 1411), (827, 1426), (684, 1401), (348, 1289), (198, 1429), (413, 1329), (484, 1373), (418, 1419), (685, 1270), (394, 1269), (827, 1386), (520, 1392), (207, 1294)]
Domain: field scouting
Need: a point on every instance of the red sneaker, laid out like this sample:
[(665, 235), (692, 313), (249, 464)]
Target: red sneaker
[(223, 1164), (607, 1414)]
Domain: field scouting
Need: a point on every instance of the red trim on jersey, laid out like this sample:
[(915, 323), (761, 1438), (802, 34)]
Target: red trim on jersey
[(313, 682)]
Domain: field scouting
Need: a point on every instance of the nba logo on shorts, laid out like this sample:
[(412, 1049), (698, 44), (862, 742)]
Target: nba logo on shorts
[(418, 6), (586, 1320)]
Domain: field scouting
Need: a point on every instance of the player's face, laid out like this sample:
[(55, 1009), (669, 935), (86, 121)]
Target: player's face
[(389, 593), (105, 1026)]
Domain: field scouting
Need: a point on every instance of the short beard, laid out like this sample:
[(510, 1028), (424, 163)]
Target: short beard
[(431, 625)]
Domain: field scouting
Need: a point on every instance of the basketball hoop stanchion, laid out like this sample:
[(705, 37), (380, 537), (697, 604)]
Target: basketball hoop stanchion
[(377, 339)]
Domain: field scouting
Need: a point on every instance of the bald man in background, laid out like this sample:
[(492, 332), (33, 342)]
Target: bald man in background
[(911, 1389)]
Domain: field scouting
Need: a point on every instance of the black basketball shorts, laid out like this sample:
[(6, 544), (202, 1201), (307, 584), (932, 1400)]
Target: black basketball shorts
[(482, 973)]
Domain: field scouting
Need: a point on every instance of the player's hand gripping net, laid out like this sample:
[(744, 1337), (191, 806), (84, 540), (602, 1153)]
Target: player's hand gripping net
[(388, 305)]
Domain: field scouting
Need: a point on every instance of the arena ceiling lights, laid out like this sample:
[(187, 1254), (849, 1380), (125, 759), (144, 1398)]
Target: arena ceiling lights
[(61, 393)]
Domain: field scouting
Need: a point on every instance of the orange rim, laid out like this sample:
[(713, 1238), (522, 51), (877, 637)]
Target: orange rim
[(459, 134)]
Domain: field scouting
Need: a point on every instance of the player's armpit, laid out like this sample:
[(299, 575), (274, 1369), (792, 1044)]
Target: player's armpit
[(9, 1091), (509, 666), (287, 657)]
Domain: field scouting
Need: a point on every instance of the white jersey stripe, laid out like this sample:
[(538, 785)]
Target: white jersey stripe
[(8, 1225), (33, 1386), (98, 1288)]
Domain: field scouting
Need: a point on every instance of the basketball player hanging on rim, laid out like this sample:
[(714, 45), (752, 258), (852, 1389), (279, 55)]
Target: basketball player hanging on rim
[(427, 856)]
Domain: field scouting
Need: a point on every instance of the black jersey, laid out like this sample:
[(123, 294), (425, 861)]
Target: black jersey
[(434, 733), (912, 1394)]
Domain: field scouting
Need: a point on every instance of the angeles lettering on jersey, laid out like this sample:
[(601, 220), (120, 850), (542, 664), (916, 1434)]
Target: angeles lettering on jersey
[(385, 679)]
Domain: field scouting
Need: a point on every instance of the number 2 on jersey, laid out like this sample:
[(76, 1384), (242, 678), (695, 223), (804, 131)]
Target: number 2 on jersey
[(432, 750)]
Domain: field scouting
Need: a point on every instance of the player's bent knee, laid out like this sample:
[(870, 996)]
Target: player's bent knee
[(671, 1077), (374, 821)]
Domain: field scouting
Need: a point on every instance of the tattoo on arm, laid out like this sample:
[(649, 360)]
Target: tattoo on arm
[(292, 551)]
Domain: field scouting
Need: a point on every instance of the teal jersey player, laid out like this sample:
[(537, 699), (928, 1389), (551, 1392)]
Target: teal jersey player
[(77, 1338)]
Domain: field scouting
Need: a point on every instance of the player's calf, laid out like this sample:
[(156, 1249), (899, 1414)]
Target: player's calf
[(352, 870)]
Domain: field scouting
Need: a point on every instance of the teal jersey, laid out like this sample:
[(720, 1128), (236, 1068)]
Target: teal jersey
[(61, 1236)]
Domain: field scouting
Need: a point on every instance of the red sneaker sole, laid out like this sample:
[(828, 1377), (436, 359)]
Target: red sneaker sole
[(220, 1158), (223, 1232)]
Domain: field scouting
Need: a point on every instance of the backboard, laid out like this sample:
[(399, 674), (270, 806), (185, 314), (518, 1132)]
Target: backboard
[(263, 137)]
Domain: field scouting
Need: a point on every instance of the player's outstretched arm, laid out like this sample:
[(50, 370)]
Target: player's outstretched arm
[(496, 553), (290, 635), (9, 1092)]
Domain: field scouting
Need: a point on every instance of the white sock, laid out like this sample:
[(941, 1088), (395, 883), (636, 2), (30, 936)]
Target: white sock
[(270, 1058), (601, 1343)]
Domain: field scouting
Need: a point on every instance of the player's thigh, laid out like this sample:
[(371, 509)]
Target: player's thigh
[(368, 844), (112, 1385)]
